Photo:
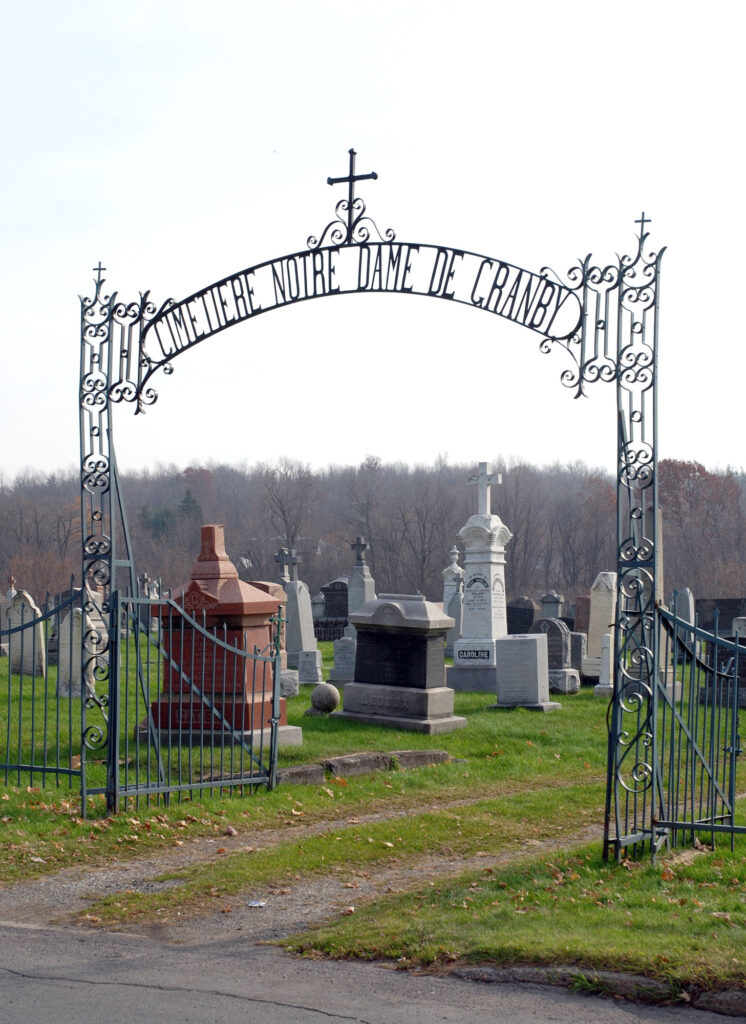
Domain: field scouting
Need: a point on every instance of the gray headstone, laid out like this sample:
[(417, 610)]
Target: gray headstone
[(558, 642), (578, 645), (309, 666), (552, 605), (522, 672), (299, 634), (344, 660)]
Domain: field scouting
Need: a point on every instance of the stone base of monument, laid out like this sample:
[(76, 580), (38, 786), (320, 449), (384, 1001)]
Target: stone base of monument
[(474, 667), (603, 690), (522, 673), (287, 736), (401, 707), (564, 680)]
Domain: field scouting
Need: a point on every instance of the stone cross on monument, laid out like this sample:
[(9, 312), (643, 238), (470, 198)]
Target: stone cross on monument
[(286, 560), (484, 480), (359, 547)]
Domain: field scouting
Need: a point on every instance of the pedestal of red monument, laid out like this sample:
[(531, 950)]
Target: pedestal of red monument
[(211, 690)]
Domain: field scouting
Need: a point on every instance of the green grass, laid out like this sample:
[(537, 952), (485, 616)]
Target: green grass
[(682, 923)]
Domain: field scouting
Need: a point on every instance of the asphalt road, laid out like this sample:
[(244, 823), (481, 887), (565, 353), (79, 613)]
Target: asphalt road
[(72, 975)]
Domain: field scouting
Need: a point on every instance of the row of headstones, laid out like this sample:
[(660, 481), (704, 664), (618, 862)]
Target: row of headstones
[(30, 651)]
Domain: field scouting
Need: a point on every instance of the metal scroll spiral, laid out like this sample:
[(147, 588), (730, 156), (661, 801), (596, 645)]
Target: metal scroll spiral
[(349, 230), (614, 298)]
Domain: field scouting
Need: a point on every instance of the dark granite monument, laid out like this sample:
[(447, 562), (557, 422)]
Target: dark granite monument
[(399, 676), (522, 612)]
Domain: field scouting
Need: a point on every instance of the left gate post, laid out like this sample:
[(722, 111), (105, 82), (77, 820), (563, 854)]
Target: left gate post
[(96, 507)]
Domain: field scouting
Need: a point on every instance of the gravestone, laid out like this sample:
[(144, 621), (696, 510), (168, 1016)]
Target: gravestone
[(317, 606), (605, 685), (239, 690), (361, 587), (399, 678), (552, 605), (288, 676), (484, 613), (601, 621), (453, 587), (69, 640), (299, 636), (26, 647), (523, 673), (683, 607), (522, 612), (582, 613), (562, 677), (335, 598), (344, 660), (578, 650)]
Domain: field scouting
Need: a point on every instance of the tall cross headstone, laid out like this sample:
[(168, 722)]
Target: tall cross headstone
[(484, 611), (359, 547), (484, 480), (283, 560)]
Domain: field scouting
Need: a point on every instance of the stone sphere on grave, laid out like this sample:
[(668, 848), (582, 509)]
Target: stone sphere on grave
[(324, 699)]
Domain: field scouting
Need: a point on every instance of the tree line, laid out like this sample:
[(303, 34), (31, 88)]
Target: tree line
[(562, 517)]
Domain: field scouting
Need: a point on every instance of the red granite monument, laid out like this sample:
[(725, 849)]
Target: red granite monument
[(207, 687)]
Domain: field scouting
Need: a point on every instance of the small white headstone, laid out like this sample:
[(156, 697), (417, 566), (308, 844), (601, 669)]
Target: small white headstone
[(600, 620)]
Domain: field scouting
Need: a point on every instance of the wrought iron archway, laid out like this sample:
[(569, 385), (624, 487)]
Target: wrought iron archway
[(603, 317)]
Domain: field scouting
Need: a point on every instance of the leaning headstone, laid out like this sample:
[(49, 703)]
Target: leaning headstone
[(453, 593), (562, 677), (400, 667), (605, 685), (552, 605), (522, 612), (523, 674), (601, 620), (26, 647), (484, 614)]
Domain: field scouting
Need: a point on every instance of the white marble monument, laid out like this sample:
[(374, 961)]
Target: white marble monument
[(25, 647), (601, 620), (453, 596), (484, 614)]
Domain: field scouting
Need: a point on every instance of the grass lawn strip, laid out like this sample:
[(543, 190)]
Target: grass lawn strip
[(485, 827), (680, 922)]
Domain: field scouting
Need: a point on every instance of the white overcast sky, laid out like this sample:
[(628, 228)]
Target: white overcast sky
[(179, 142)]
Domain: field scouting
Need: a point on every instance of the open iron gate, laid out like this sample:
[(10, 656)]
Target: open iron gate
[(674, 740), (166, 705)]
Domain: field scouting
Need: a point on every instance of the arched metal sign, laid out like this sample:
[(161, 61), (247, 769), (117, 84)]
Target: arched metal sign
[(603, 317)]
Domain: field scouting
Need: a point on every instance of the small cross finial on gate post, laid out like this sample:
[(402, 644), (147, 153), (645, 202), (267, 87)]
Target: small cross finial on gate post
[(483, 480), (351, 179), (642, 222), (98, 271), (359, 547)]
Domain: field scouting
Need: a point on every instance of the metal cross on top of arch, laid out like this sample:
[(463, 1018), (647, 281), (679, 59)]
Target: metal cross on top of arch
[(604, 318)]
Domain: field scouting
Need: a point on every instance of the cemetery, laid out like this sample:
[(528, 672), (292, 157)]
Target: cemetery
[(486, 687)]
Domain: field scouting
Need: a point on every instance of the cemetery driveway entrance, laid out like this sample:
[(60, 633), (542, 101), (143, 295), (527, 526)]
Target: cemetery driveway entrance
[(601, 317)]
